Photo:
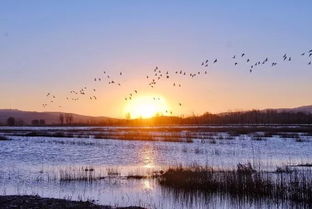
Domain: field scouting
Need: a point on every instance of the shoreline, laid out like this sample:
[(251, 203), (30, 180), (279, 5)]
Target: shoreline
[(37, 202)]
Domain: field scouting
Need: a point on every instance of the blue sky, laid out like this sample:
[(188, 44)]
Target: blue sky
[(57, 46)]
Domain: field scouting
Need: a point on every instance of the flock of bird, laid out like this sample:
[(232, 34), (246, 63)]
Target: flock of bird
[(156, 75), (77, 94)]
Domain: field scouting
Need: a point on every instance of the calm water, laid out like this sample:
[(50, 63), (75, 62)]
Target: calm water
[(33, 165)]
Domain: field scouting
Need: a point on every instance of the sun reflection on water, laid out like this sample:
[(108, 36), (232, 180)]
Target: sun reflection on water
[(147, 184), (147, 156)]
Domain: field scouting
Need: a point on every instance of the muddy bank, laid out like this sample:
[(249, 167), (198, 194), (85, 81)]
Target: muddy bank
[(36, 202)]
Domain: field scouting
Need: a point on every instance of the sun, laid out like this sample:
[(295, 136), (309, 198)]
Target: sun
[(146, 107)]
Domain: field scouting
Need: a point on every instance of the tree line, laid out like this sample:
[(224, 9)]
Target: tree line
[(246, 117)]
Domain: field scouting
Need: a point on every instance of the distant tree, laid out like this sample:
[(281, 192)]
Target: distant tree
[(42, 122), (61, 118), (35, 122), (69, 118), (20, 123), (11, 121)]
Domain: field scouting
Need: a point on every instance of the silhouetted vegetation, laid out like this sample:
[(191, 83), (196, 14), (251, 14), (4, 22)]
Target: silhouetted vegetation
[(82, 174), (253, 117), (38, 122), (212, 134), (11, 121), (241, 183), (69, 119), (256, 117), (247, 117)]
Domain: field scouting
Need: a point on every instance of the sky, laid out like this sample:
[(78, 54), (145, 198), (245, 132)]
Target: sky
[(58, 46)]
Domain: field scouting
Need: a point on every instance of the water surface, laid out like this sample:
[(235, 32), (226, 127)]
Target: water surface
[(33, 165)]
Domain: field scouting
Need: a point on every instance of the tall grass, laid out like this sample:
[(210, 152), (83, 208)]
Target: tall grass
[(83, 174), (244, 182)]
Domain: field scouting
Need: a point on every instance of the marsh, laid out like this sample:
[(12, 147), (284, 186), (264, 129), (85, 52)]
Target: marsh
[(74, 163)]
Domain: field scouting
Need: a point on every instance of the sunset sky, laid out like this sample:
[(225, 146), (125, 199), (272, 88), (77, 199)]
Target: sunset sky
[(58, 46)]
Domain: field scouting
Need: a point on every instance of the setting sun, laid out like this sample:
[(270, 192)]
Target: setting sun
[(146, 107)]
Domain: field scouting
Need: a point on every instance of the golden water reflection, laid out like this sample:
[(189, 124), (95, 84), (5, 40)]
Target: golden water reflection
[(147, 156), (147, 184)]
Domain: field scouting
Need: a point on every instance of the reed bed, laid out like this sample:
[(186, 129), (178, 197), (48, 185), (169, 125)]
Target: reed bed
[(83, 174), (244, 182), (91, 174), (173, 134)]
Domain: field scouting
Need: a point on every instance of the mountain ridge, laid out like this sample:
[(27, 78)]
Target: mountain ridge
[(27, 117), (53, 118)]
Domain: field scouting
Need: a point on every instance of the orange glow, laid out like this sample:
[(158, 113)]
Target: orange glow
[(146, 106)]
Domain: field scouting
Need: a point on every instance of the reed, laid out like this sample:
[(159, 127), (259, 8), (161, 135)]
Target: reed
[(83, 174), (243, 182)]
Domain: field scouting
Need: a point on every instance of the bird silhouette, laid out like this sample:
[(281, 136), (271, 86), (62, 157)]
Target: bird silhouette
[(285, 57)]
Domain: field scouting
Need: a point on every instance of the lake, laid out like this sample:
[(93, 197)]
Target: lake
[(45, 160)]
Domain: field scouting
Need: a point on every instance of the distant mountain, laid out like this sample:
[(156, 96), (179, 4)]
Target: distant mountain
[(50, 118), (306, 109), (53, 118)]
